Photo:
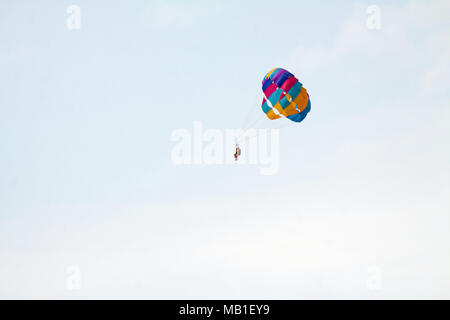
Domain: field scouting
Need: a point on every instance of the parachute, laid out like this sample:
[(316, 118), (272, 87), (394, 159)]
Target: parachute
[(284, 96)]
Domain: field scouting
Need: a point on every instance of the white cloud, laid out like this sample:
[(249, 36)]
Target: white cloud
[(214, 251), (426, 13), (400, 39)]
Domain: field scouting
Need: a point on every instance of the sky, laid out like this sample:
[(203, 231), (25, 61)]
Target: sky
[(93, 206)]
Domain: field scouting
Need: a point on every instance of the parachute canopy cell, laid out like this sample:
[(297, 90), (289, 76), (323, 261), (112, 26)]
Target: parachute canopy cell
[(284, 96)]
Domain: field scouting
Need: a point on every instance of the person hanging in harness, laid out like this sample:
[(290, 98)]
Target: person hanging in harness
[(237, 153)]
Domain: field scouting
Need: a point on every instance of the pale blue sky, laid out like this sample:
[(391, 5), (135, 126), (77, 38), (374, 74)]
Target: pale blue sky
[(87, 178)]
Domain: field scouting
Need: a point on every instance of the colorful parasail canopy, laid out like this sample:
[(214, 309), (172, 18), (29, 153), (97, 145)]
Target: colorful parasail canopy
[(284, 96)]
